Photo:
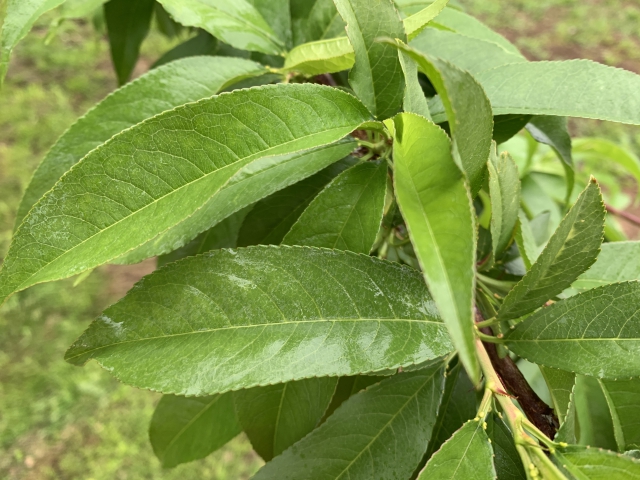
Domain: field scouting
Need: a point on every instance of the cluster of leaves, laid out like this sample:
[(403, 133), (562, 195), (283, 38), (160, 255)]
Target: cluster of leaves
[(345, 256)]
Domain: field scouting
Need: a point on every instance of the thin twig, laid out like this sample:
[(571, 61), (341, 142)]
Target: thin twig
[(622, 214)]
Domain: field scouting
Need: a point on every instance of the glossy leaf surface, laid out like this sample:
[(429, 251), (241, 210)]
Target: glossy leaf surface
[(595, 333), (189, 428), (617, 262), (277, 416), (161, 89), (623, 398), (436, 206), (504, 188), (376, 77), (262, 315), (143, 182), (571, 250), (381, 432), (595, 464), (347, 214)]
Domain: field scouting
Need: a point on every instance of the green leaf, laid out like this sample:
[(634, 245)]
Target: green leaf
[(322, 56), (376, 77), (314, 20), (414, 99), (145, 181), (414, 24), (560, 385), (617, 262), (606, 150), (236, 22), (16, 19), (526, 241), (162, 89), (272, 217), (128, 24), (594, 333), (623, 398), (572, 249), (593, 415), (436, 206), (468, 112), (202, 44), (504, 188), (277, 14), (262, 315), (569, 430), (277, 416), (347, 214), (506, 459), (595, 464), (507, 126), (349, 386), (467, 454), (189, 428), (379, 433)]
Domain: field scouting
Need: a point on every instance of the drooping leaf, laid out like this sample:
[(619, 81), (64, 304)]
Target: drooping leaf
[(504, 188), (560, 385), (261, 315), (623, 398), (376, 77), (189, 428), (414, 24), (180, 173), (184, 81), (592, 412), (595, 464), (272, 217), (16, 19), (128, 24), (436, 206), (347, 214), (468, 112), (467, 454), (277, 416), (379, 433), (601, 149), (506, 458), (617, 262), (202, 44), (236, 22), (414, 99), (594, 333), (322, 56), (572, 249)]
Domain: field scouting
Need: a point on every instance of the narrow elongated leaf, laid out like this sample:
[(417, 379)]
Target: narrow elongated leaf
[(162, 89), (617, 262), (188, 428), (376, 77), (322, 56), (506, 459), (593, 415), (128, 24), (571, 250), (19, 17), (314, 20), (467, 454), (347, 214), (560, 385), (436, 206), (180, 173), (414, 99), (526, 241), (623, 398), (271, 218), (568, 431), (236, 22), (468, 112), (596, 464), (262, 315), (277, 416), (594, 333), (379, 433), (504, 188), (414, 24)]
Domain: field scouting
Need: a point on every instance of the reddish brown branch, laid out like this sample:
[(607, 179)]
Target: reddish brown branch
[(622, 214)]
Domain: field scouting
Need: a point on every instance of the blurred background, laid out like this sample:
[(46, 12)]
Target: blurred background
[(62, 422)]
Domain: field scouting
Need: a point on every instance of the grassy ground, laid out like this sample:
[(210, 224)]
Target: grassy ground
[(64, 422)]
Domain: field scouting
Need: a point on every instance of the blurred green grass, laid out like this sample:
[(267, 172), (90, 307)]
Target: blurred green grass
[(62, 422)]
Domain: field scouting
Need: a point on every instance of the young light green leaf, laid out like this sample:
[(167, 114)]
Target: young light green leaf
[(184, 429), (379, 433), (571, 250), (272, 217), (261, 315), (468, 112), (414, 100), (277, 416), (322, 56), (162, 89), (16, 19), (594, 333), (506, 459), (236, 22), (617, 262), (623, 398), (596, 464), (467, 454), (436, 206), (504, 188), (347, 214), (560, 385), (602, 149), (128, 24), (414, 24), (376, 77), (180, 173)]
